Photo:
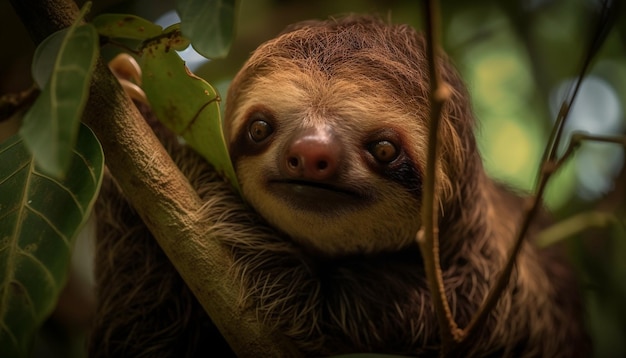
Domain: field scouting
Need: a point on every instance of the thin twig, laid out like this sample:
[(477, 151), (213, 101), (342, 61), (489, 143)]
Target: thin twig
[(605, 22), (428, 235), (549, 165), (502, 281), (575, 143), (14, 102), (530, 210)]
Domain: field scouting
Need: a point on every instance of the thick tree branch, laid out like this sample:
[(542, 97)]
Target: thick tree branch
[(161, 195), (44, 17)]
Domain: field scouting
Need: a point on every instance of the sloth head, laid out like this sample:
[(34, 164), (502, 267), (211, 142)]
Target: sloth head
[(327, 130)]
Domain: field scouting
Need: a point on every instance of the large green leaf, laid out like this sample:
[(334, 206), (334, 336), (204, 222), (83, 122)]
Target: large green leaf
[(45, 57), (126, 26), (50, 126), (185, 103), (209, 24), (39, 219)]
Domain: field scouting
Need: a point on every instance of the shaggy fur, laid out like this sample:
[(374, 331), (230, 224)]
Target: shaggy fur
[(144, 309), (374, 302)]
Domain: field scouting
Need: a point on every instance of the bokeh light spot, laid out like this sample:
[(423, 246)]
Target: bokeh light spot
[(597, 110)]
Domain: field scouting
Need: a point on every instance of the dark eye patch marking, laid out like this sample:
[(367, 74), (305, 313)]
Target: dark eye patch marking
[(405, 174), (398, 166)]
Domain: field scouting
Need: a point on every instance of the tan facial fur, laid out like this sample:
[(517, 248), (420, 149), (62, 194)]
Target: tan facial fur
[(386, 219), (358, 103)]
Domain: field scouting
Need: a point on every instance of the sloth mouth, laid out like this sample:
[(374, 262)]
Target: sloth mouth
[(316, 196)]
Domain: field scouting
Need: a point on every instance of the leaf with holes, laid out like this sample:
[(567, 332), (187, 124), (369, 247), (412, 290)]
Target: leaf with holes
[(208, 24), (39, 219), (186, 104)]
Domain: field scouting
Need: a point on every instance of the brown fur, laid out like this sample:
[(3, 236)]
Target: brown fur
[(360, 302), (144, 309)]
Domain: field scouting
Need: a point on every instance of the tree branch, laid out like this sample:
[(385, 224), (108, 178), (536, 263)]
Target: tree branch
[(548, 168), (161, 195), (549, 165), (428, 235), (575, 143)]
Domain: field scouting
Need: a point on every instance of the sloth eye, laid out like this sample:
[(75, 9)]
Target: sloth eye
[(259, 130), (384, 151)]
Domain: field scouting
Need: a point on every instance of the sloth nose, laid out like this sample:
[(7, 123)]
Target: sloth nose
[(312, 154)]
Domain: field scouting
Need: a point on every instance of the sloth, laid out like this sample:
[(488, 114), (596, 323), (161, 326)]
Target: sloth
[(327, 130)]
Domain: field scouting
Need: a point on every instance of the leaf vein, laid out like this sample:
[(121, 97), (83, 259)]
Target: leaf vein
[(50, 279), (11, 145), (27, 296), (92, 171), (9, 176), (52, 226), (5, 328), (5, 214), (13, 248), (72, 68), (64, 188)]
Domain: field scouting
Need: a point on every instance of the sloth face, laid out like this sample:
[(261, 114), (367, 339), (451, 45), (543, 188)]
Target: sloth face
[(326, 130), (323, 163)]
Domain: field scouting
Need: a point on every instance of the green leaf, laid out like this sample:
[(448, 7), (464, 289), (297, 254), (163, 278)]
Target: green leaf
[(45, 56), (40, 217), (50, 126), (186, 104), (126, 26), (208, 24), (175, 39)]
